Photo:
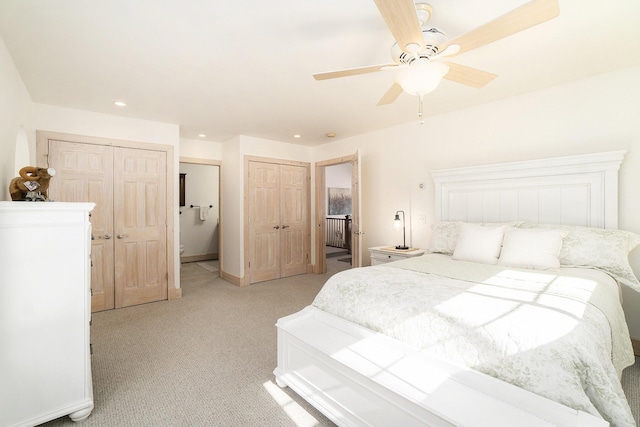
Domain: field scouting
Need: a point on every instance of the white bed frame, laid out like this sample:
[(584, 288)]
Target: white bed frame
[(360, 378)]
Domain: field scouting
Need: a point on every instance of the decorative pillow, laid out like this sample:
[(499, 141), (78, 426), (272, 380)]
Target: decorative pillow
[(478, 243), (604, 249), (444, 237), (536, 249)]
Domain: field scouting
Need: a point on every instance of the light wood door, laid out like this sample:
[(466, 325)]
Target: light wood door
[(264, 221), (129, 249), (293, 220), (140, 226), (84, 173), (278, 220), (356, 217)]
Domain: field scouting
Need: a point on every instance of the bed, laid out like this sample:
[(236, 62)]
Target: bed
[(514, 316)]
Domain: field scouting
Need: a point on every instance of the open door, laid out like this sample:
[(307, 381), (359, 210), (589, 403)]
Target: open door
[(356, 220), (321, 211)]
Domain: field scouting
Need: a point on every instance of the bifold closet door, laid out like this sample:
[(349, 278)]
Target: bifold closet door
[(140, 226), (129, 246), (84, 173), (294, 217), (277, 220)]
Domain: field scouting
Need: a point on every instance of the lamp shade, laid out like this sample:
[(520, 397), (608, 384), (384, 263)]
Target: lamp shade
[(421, 76)]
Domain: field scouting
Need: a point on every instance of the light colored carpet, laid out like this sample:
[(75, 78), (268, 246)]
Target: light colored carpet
[(208, 358)]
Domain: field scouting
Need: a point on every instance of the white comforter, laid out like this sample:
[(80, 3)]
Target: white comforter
[(554, 335)]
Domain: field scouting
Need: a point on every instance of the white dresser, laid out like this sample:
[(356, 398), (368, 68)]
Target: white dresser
[(45, 310), (384, 254)]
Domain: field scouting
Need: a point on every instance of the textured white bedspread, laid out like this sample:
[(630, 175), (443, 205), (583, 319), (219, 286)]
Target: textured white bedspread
[(551, 334)]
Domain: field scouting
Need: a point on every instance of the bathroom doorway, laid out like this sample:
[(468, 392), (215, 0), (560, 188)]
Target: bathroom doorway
[(199, 201)]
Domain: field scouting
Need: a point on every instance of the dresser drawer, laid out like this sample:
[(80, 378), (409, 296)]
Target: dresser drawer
[(378, 258), (385, 254)]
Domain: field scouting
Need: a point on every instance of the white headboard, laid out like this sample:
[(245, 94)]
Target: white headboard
[(572, 190)]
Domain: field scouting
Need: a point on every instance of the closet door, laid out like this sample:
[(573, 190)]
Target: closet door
[(128, 186), (278, 220), (140, 226), (294, 218), (264, 221), (84, 173)]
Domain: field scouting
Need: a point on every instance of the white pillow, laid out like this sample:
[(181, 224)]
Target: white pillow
[(531, 248), (445, 235), (478, 243)]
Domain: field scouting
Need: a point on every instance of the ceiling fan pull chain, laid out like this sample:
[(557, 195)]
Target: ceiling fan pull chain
[(420, 109)]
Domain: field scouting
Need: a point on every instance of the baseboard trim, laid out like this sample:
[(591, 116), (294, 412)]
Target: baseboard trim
[(635, 343), (234, 280), (175, 293)]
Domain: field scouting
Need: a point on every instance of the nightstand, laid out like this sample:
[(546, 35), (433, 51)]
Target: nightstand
[(385, 254)]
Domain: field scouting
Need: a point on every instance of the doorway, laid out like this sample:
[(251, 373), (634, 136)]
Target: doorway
[(200, 210), (348, 229)]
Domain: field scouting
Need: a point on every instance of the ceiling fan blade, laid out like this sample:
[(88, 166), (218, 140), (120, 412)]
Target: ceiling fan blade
[(392, 94), (468, 76), (526, 16), (402, 20), (450, 50), (350, 72)]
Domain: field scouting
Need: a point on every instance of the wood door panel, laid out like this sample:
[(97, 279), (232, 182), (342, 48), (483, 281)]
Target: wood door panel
[(294, 220), (140, 226), (84, 173), (264, 217), (278, 220)]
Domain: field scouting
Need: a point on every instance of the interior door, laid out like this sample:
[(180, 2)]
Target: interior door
[(356, 220), (293, 214), (264, 221), (140, 226), (84, 173), (278, 223), (128, 253)]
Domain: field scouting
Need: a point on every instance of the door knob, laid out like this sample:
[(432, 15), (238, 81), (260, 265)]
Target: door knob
[(121, 236), (107, 236), (276, 227), (285, 226)]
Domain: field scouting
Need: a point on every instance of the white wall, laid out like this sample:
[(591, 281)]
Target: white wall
[(198, 149), (200, 237), (15, 121), (597, 114)]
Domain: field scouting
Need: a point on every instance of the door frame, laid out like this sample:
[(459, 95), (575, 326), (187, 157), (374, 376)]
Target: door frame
[(42, 154), (321, 211), (247, 251), (218, 163)]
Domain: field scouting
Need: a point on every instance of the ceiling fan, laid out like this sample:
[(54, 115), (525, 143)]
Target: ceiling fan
[(419, 48)]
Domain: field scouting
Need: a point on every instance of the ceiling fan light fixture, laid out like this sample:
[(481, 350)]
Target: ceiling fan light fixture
[(421, 76)]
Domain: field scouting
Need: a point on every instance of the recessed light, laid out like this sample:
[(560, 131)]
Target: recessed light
[(296, 136), (201, 135), (331, 135), (120, 103)]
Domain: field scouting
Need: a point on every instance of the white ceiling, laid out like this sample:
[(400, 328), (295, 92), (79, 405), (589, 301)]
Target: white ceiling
[(225, 67)]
